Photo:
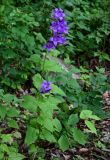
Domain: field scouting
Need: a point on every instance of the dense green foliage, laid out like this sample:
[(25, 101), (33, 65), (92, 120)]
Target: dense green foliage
[(28, 118)]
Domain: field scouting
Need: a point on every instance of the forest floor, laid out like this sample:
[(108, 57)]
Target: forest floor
[(88, 152)]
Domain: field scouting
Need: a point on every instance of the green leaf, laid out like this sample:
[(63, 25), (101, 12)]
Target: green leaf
[(57, 90), (74, 84), (48, 105), (13, 112), (15, 156), (48, 125), (40, 38), (52, 66), (47, 135), (37, 80), (31, 135), (29, 103), (73, 120), (57, 125), (8, 98), (1, 156), (94, 117), (54, 53), (7, 138), (4, 148), (63, 143), (3, 111), (91, 126), (13, 124), (35, 58), (87, 114), (79, 136), (8, 54), (75, 70)]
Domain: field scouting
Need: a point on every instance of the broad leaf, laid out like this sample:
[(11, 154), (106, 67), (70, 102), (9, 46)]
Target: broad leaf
[(63, 143), (15, 156), (87, 114), (91, 126), (13, 124), (52, 66), (8, 98), (4, 148), (79, 136), (13, 112), (37, 80), (31, 135), (3, 111), (47, 135), (7, 138), (57, 90), (48, 125), (73, 120), (30, 103), (57, 125)]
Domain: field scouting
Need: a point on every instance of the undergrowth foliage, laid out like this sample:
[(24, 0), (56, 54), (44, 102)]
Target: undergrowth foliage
[(39, 100)]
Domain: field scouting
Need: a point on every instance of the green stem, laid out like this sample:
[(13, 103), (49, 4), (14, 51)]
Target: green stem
[(43, 63)]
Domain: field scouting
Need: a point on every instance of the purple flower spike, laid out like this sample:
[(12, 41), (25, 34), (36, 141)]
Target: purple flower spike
[(58, 39), (45, 87), (49, 46), (58, 14), (59, 29)]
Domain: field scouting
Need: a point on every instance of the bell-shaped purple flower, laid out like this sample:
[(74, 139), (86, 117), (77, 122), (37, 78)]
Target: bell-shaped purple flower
[(58, 39), (49, 46), (58, 14), (59, 27), (45, 87)]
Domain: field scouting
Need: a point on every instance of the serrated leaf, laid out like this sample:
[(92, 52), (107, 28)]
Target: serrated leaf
[(35, 58), (40, 38), (47, 105), (54, 53), (73, 120), (91, 126), (13, 124), (13, 112), (37, 80), (57, 125), (94, 117), (48, 125), (75, 70), (31, 135), (79, 136), (63, 143), (29, 103), (47, 135), (52, 66), (9, 54), (87, 114), (7, 138), (4, 148), (3, 111), (57, 90), (15, 156), (8, 98)]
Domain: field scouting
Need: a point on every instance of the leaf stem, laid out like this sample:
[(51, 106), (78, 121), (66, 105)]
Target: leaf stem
[(43, 63)]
